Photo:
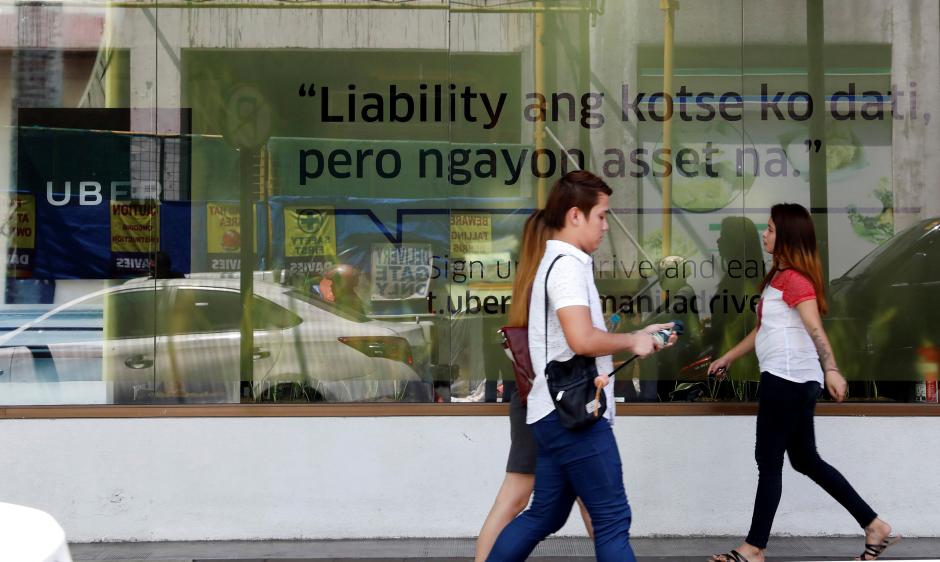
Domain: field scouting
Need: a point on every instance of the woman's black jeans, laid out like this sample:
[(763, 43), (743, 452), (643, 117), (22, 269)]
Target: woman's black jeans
[(785, 423)]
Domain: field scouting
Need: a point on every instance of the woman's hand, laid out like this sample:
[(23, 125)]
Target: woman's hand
[(719, 367), (600, 381), (836, 385)]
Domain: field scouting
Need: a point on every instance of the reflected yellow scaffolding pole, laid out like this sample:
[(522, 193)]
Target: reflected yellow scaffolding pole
[(669, 8), (540, 88), (114, 76)]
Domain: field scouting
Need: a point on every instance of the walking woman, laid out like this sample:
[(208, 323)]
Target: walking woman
[(570, 464), (791, 345), (514, 494)]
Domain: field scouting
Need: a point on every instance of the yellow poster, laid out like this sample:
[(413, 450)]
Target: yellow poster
[(135, 226), (20, 231), (223, 229), (470, 234), (309, 231), (22, 222)]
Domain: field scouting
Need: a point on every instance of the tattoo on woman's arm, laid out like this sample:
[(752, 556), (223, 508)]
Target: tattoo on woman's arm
[(825, 352)]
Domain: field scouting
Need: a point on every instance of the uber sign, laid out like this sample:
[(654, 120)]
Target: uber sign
[(91, 193), (98, 192)]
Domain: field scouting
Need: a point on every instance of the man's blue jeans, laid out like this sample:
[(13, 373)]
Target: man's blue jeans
[(572, 464)]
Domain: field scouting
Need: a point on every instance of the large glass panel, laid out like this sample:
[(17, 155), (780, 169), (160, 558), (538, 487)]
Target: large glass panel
[(690, 195), (85, 172), (274, 201)]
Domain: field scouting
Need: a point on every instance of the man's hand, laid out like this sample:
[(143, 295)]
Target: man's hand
[(645, 343), (600, 381), (673, 337)]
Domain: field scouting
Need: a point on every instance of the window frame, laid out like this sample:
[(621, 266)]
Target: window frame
[(370, 410)]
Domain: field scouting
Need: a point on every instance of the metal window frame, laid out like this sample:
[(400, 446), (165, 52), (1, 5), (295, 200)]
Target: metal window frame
[(424, 410)]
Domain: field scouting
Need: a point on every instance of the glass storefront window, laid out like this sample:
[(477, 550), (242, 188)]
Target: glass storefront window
[(289, 202)]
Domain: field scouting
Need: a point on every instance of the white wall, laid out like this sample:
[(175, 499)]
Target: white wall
[(259, 478)]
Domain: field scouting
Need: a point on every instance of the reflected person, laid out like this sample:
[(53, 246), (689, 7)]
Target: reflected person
[(678, 301), (343, 281), (739, 248)]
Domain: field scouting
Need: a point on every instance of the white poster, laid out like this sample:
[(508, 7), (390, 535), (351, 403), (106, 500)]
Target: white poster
[(400, 271)]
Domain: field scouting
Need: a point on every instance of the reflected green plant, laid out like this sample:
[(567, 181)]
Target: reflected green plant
[(876, 228), (842, 147), (681, 246), (707, 193)]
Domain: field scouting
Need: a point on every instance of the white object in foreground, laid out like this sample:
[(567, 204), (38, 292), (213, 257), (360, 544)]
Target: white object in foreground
[(31, 535)]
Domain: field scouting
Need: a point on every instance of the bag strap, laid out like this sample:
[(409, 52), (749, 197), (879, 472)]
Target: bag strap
[(547, 273)]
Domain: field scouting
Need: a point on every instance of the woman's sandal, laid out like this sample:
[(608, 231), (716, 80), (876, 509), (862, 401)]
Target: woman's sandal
[(733, 556), (873, 551)]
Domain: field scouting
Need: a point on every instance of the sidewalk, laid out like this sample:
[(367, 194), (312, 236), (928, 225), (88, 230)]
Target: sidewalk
[(679, 549)]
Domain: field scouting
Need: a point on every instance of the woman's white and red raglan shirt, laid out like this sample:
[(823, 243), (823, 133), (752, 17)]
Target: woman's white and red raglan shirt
[(784, 348)]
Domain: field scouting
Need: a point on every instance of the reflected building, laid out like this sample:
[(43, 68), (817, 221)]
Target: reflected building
[(284, 142)]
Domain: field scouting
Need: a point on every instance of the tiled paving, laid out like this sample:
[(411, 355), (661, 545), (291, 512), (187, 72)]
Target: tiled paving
[(664, 549)]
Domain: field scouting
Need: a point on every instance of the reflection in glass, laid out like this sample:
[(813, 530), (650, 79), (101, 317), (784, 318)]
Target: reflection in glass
[(220, 205)]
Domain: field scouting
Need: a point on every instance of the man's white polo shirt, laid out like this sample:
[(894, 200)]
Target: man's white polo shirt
[(570, 284)]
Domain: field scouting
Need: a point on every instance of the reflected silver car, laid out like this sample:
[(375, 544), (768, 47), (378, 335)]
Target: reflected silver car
[(178, 341)]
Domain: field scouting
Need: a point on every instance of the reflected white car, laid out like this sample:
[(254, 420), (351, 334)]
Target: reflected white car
[(178, 341)]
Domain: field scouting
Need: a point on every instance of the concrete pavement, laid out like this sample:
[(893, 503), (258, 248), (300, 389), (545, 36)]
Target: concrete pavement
[(575, 549)]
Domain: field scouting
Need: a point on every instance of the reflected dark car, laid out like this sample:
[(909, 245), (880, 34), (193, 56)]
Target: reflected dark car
[(178, 341), (885, 313)]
